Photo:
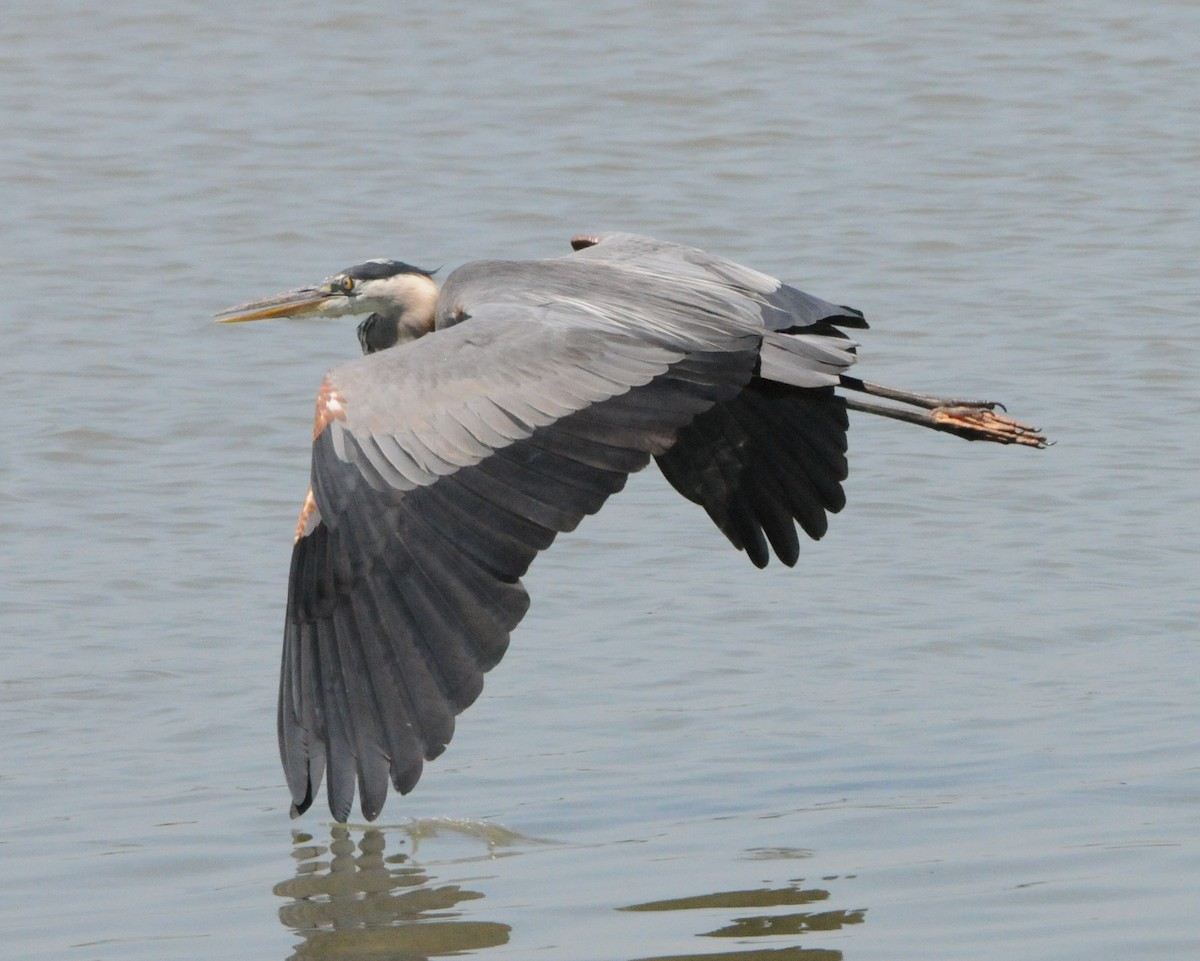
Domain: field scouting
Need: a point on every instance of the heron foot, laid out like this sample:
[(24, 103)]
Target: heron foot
[(979, 421)]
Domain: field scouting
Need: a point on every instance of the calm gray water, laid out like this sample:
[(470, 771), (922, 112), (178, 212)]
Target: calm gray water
[(965, 726)]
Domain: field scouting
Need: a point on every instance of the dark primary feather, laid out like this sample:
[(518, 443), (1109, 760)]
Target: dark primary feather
[(448, 463), (771, 455)]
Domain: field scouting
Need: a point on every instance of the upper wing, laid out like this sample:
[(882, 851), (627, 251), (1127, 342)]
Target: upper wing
[(783, 307), (440, 469), (776, 452)]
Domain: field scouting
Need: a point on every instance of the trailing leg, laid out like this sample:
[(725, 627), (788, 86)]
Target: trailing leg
[(969, 419)]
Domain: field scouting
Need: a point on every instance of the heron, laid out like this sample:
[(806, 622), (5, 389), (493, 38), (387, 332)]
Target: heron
[(495, 412)]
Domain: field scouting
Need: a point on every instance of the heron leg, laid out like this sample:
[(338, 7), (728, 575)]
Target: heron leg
[(917, 400), (969, 419)]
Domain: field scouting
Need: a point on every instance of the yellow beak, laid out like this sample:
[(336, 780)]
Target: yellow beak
[(294, 303)]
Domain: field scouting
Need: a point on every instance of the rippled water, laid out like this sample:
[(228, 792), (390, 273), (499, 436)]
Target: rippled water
[(965, 726)]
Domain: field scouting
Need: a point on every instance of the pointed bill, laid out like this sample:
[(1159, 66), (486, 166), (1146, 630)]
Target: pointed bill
[(294, 303)]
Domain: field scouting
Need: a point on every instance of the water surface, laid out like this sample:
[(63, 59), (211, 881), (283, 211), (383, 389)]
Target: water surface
[(964, 726)]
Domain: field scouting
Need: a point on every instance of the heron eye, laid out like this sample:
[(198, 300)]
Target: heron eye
[(344, 284)]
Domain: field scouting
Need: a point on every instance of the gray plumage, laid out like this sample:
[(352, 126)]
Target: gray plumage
[(513, 404)]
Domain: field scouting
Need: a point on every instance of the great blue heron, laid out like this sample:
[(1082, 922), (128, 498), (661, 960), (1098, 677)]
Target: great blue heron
[(490, 416)]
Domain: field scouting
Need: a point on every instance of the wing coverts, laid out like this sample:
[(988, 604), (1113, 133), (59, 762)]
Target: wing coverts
[(455, 459)]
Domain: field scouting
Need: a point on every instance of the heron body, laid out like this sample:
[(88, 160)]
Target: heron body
[(489, 416)]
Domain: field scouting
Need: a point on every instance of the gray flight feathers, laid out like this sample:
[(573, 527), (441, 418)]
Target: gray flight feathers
[(443, 466)]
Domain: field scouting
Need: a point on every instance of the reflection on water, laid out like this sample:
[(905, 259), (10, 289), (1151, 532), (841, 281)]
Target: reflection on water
[(352, 900), (787, 924), (757, 954)]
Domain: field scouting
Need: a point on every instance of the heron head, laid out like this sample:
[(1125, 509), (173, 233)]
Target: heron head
[(402, 296)]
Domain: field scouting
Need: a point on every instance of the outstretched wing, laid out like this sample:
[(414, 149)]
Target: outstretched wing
[(440, 469), (774, 456), (763, 462)]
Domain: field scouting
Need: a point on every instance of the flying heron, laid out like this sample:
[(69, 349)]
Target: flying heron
[(493, 414)]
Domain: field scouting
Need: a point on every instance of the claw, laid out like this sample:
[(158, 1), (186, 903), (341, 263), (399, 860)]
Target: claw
[(978, 422)]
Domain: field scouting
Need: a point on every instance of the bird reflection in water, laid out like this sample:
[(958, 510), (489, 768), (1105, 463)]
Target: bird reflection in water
[(765, 923), (352, 900)]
